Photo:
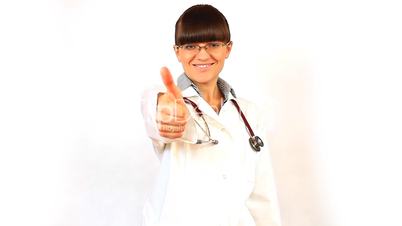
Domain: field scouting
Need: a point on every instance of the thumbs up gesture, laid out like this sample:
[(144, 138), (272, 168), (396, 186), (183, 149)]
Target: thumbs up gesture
[(172, 113)]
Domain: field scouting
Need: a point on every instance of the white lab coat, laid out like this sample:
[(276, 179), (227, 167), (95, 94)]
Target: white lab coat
[(227, 184)]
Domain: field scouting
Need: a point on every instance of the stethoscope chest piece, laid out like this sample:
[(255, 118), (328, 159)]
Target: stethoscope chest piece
[(256, 143)]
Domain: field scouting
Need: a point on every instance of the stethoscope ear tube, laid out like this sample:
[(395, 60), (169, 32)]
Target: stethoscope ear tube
[(213, 141)]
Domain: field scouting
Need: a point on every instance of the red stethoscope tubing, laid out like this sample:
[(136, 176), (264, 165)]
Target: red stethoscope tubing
[(255, 141)]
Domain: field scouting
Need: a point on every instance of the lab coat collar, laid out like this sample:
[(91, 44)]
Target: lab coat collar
[(184, 82), (191, 91)]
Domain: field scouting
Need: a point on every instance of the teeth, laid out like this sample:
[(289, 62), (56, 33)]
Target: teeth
[(202, 65)]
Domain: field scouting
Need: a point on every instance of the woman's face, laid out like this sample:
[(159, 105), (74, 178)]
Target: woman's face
[(203, 65)]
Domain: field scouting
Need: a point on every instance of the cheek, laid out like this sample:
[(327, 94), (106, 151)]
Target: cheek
[(222, 56), (222, 59), (181, 58), (185, 60)]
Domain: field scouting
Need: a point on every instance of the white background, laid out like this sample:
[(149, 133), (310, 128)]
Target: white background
[(73, 149)]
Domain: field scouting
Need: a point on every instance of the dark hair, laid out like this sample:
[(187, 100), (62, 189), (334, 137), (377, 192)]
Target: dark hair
[(201, 23)]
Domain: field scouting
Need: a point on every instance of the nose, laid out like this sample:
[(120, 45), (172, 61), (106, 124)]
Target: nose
[(203, 53)]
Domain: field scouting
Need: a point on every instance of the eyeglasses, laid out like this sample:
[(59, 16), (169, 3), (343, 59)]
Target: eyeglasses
[(210, 47)]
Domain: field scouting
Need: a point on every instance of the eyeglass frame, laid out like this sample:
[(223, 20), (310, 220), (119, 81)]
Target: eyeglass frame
[(198, 47)]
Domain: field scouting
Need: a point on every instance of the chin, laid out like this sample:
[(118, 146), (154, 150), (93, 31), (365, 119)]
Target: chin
[(202, 77)]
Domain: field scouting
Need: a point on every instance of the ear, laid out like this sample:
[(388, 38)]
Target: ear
[(176, 51), (228, 49)]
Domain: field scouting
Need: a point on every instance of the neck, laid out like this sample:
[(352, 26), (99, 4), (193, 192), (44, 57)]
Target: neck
[(211, 94)]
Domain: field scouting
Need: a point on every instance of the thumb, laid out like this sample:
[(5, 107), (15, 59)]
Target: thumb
[(169, 83)]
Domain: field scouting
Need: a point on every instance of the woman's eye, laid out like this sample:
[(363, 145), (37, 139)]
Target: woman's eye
[(214, 45), (189, 47)]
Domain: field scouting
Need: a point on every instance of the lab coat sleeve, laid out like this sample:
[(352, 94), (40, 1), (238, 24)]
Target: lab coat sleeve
[(148, 109), (263, 203)]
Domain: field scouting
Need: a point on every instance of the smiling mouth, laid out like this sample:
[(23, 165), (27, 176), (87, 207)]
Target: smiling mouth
[(203, 65)]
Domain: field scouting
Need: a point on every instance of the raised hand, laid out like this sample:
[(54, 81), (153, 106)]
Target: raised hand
[(172, 113)]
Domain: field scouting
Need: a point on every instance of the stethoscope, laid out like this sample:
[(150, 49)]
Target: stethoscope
[(255, 141)]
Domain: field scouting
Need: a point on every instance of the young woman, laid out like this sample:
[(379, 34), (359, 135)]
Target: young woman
[(215, 170)]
